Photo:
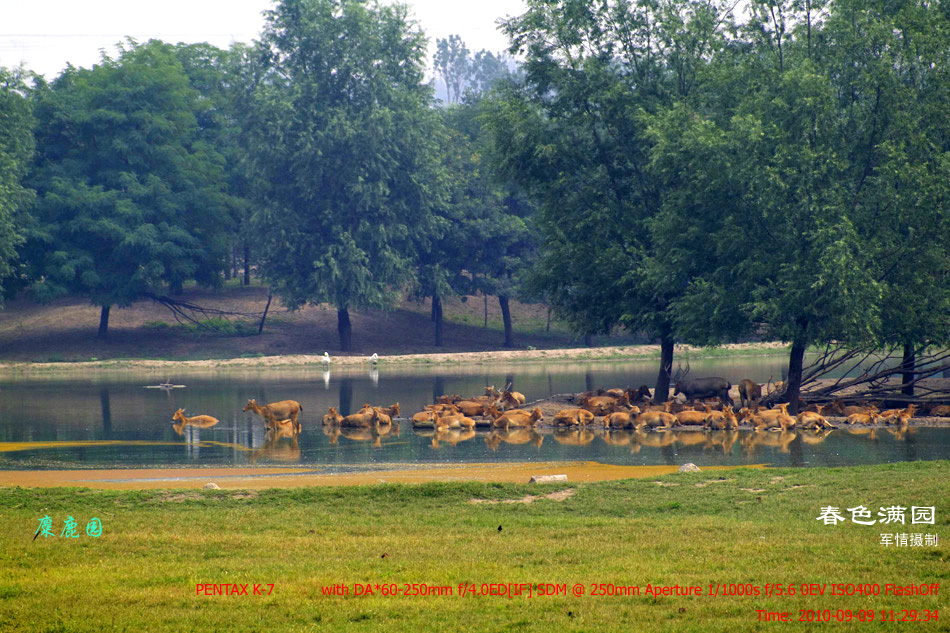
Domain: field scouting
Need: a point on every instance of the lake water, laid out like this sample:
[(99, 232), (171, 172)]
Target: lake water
[(109, 419)]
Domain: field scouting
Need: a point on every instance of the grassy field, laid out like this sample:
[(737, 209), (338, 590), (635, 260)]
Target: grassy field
[(741, 527)]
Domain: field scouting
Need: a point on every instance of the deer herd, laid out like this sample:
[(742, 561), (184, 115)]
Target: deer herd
[(706, 403)]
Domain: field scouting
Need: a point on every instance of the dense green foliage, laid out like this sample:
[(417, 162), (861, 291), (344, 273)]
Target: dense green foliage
[(16, 152), (671, 168), (128, 195), (703, 179), (344, 136)]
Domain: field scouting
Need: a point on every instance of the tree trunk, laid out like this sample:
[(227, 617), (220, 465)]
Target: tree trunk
[(588, 340), (344, 328), (662, 391), (106, 410), (176, 287), (437, 313), (485, 297), (547, 328), (260, 328), (506, 317), (909, 365), (793, 386), (104, 322), (247, 265)]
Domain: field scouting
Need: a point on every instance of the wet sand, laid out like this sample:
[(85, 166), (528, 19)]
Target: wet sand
[(259, 478)]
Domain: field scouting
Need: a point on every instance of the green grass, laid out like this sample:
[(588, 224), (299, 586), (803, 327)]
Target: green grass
[(157, 546)]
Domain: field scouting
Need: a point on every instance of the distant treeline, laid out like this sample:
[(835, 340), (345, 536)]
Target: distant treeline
[(673, 168)]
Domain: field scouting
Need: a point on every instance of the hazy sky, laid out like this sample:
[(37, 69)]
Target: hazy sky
[(46, 34)]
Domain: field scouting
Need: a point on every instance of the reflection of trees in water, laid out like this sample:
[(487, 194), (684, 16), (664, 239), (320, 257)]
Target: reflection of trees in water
[(346, 396), (106, 411), (796, 456), (908, 438)]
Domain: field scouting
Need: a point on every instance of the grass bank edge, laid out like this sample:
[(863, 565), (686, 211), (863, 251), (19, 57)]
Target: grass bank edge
[(514, 357)]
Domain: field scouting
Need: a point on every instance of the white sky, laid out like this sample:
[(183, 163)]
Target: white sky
[(46, 34)]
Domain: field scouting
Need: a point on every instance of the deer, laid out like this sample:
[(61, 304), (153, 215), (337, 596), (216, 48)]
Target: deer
[(903, 417), (332, 417), (652, 419), (940, 411), (472, 407), (386, 414), (602, 405), (887, 416), (694, 388), (721, 420), (517, 417), (454, 421), (813, 419), (366, 419), (276, 411), (863, 418), (512, 399), (692, 417), (423, 419), (750, 392), (622, 419), (200, 421), (572, 417)]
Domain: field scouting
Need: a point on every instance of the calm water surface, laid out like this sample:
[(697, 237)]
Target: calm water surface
[(109, 419)]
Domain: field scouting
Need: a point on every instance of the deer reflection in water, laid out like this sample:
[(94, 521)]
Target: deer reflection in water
[(274, 448), (374, 434), (869, 431), (451, 436), (513, 435), (659, 439), (573, 437), (903, 433), (816, 437), (708, 440), (621, 438), (775, 439)]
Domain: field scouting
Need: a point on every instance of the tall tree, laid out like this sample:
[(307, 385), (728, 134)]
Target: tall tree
[(344, 135), (453, 63), (220, 78), (16, 151), (577, 138), (889, 64), (129, 197)]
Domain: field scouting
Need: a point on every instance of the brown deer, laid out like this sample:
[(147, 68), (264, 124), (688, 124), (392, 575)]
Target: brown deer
[(276, 411), (750, 392), (199, 421)]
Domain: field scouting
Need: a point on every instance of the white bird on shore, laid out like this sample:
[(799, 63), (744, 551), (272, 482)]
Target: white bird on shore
[(374, 358), (326, 359)]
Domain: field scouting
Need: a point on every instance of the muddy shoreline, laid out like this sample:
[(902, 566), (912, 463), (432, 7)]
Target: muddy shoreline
[(260, 478)]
